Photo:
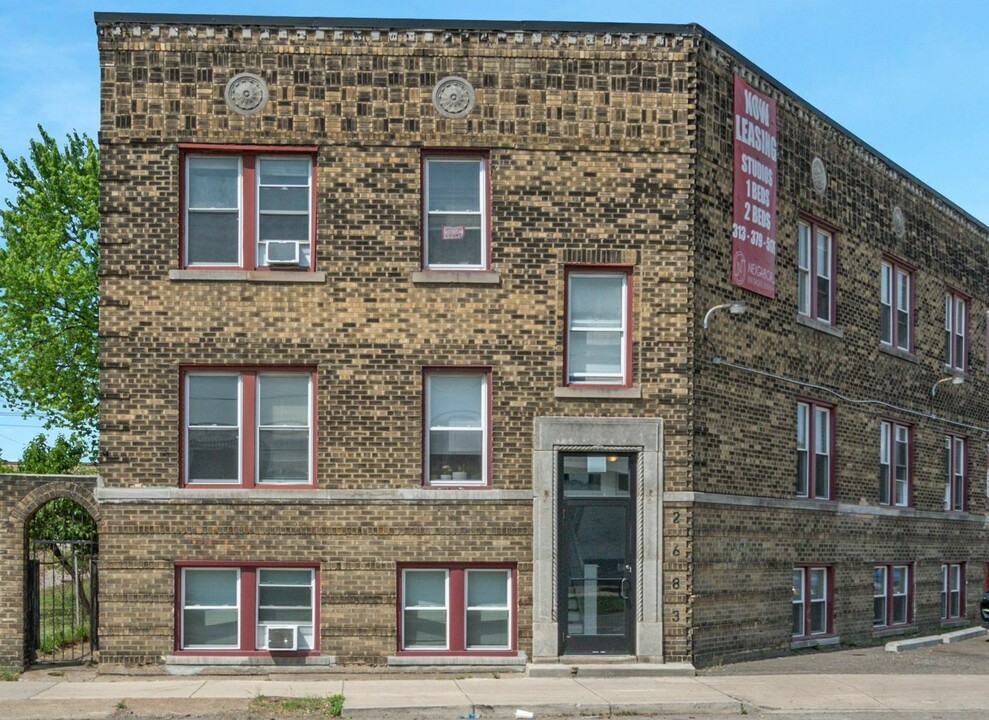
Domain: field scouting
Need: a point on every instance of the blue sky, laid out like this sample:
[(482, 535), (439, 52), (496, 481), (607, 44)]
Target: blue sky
[(907, 77)]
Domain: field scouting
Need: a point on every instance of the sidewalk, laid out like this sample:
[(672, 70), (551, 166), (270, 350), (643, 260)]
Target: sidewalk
[(500, 697)]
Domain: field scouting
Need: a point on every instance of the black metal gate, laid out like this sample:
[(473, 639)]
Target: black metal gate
[(62, 601)]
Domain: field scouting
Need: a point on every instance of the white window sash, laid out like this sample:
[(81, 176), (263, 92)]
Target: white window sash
[(239, 427), (185, 606), (480, 214), (239, 210), (445, 608), (483, 430), (621, 376), (507, 608), (258, 427), (258, 212)]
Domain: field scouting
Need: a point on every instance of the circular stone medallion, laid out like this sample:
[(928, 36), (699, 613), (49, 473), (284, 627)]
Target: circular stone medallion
[(246, 93), (454, 97), (899, 222), (818, 176)]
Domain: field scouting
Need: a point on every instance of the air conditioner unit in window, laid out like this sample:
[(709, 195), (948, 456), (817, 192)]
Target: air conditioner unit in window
[(282, 252), (281, 637)]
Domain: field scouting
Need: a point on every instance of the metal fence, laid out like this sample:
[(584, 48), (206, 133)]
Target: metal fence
[(62, 601)]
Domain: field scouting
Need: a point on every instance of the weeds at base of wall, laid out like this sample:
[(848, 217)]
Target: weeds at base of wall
[(308, 706), (8, 674)]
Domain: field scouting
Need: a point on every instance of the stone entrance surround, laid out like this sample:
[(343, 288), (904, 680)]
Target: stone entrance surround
[(643, 436)]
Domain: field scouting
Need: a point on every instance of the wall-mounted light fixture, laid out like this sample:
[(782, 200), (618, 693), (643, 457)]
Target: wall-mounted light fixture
[(735, 308), (953, 379)]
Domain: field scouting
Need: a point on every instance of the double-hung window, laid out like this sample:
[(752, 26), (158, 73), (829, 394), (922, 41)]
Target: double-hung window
[(455, 212), (952, 591), (815, 457), (896, 306), (894, 464), (464, 609), (954, 470), (955, 321), (815, 271), (248, 210), (248, 427), (891, 593), (456, 427), (597, 310), (233, 608), (811, 601)]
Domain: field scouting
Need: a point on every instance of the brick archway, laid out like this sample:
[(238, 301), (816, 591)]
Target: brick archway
[(20, 498)]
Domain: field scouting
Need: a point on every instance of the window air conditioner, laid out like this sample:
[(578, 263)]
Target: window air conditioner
[(281, 637), (282, 252)]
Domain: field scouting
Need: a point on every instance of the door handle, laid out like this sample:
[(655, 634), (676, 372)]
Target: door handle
[(623, 589)]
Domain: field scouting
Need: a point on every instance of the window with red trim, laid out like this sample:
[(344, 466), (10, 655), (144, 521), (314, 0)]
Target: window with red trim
[(455, 211), (815, 453), (895, 471), (598, 348), (896, 305), (955, 322), (456, 422), (228, 608), (812, 601), (892, 595), (955, 461), (815, 271), (952, 591), (457, 609), (244, 210), (248, 427)]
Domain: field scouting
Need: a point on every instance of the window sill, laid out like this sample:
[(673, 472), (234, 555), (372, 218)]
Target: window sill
[(186, 658), (258, 276), (954, 622), (885, 632), (505, 659), (572, 392), (898, 352), (822, 326), (456, 277), (813, 642), (949, 370)]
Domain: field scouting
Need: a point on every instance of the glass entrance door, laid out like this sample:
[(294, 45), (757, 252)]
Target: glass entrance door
[(597, 554)]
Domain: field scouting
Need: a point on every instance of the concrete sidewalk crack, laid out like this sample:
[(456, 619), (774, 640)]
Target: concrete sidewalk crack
[(611, 709), (467, 698), (734, 697)]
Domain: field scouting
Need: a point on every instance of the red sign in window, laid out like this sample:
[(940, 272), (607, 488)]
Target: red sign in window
[(753, 233)]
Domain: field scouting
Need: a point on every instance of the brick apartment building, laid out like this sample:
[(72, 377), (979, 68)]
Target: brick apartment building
[(417, 350)]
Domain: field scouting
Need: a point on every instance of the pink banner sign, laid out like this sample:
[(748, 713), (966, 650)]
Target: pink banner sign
[(753, 230), (452, 232)]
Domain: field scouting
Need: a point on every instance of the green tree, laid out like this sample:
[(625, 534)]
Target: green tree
[(49, 347)]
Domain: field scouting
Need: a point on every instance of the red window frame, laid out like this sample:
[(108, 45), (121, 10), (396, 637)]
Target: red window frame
[(951, 471), (896, 268), (486, 445), (806, 568), (456, 609), (247, 607), (484, 157), (890, 451), (948, 588), (248, 155), (813, 310), (811, 427), (889, 596), (629, 272), (952, 298), (248, 424)]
